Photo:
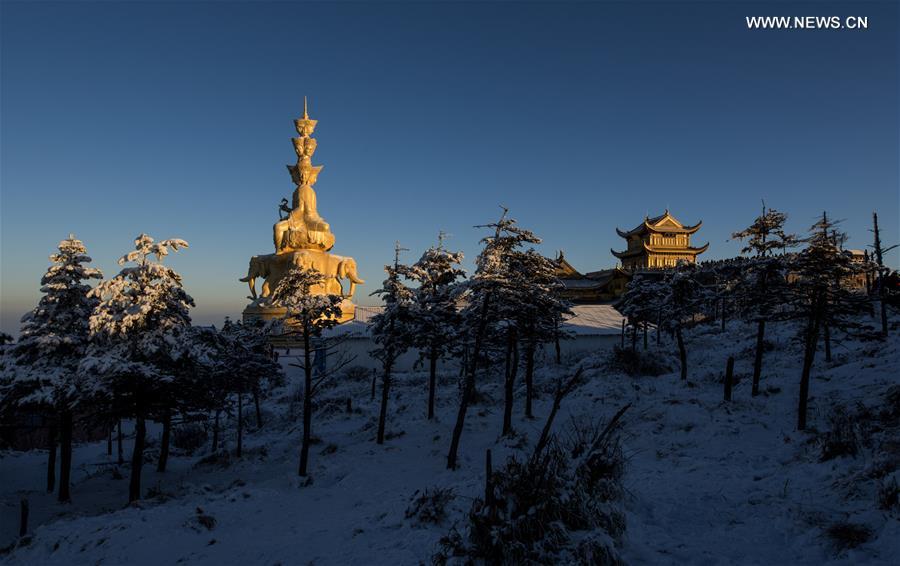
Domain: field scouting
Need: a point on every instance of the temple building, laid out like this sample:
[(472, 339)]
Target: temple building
[(658, 243), (596, 287)]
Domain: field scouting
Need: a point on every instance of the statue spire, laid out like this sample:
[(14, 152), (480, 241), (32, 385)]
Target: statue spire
[(304, 172)]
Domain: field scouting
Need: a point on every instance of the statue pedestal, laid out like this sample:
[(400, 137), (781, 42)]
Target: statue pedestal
[(254, 312)]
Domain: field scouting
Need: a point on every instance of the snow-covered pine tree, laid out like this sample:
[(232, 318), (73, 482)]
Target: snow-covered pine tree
[(308, 315), (539, 312), (492, 303), (253, 361), (686, 296), (642, 302), (53, 339), (142, 315), (435, 315), (761, 287), (212, 385), (393, 329), (821, 298)]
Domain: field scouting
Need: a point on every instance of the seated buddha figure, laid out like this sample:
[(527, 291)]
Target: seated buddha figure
[(303, 228)]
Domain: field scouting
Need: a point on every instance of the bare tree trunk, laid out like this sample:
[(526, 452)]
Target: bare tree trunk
[(809, 353), (119, 447), (562, 389), (512, 368), (464, 366), (65, 456), (109, 442), (307, 405), (682, 352), (432, 380), (556, 343), (164, 442), (259, 421), (879, 260), (658, 331), (468, 386), (729, 377), (240, 425), (622, 345), (51, 459), (215, 441), (529, 378), (645, 334), (634, 338), (758, 356), (137, 459)]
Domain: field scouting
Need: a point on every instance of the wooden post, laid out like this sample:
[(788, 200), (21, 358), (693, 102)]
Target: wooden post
[(488, 480), (729, 376), (240, 425), (23, 517), (723, 314)]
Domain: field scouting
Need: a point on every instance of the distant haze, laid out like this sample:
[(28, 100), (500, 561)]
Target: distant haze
[(175, 119)]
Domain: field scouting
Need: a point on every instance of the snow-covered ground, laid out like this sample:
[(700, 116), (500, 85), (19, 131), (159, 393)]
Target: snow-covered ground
[(707, 482)]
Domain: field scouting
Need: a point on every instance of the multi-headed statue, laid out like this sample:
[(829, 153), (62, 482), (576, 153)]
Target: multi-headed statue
[(302, 238)]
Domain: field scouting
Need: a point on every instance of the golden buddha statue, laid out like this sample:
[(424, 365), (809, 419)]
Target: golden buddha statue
[(302, 238), (303, 228)]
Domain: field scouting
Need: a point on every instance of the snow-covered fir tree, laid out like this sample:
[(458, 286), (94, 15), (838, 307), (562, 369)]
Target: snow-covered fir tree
[(392, 329), (761, 286), (767, 235), (686, 297), (44, 362), (494, 297), (538, 315), (308, 315), (251, 357), (141, 317), (822, 299), (642, 303), (435, 314), (211, 389)]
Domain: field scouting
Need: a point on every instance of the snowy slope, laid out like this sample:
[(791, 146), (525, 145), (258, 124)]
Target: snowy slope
[(708, 482)]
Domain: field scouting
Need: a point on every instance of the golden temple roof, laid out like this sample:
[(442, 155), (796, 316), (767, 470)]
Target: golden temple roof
[(664, 223)]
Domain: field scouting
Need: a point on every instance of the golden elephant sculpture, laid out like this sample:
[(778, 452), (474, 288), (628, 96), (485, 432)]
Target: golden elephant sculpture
[(258, 269), (334, 267), (272, 267)]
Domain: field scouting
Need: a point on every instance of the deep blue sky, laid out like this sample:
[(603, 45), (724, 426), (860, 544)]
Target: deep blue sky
[(175, 120)]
